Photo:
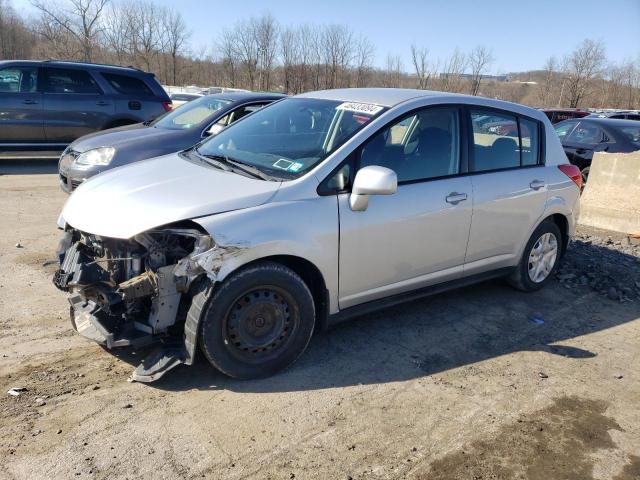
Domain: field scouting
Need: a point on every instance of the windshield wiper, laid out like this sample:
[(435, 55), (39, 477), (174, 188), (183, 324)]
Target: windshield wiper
[(243, 167)]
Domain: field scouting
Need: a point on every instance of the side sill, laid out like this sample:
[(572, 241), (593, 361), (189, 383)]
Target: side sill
[(380, 304)]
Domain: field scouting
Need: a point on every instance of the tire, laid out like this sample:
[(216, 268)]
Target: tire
[(258, 322), (521, 278), (585, 175)]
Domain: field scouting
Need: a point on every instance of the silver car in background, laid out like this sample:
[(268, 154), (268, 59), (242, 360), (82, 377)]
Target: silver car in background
[(312, 210)]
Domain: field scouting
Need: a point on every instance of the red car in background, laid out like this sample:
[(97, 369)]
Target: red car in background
[(556, 115)]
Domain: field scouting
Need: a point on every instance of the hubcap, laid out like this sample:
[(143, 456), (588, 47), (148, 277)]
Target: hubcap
[(543, 257), (259, 323)]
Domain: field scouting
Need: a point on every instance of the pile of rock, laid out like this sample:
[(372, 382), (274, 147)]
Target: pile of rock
[(608, 266)]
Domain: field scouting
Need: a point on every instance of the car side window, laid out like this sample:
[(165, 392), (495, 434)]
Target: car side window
[(529, 142), (62, 80), (18, 80), (564, 129), (246, 110), (128, 85), (495, 143), (421, 146), (585, 134)]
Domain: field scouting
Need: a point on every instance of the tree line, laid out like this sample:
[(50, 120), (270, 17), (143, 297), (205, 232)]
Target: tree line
[(259, 53)]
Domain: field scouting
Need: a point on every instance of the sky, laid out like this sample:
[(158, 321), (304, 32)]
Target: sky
[(521, 33)]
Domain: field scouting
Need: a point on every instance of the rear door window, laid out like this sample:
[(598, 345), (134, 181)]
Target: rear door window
[(62, 80), (505, 141), (495, 143), (128, 85)]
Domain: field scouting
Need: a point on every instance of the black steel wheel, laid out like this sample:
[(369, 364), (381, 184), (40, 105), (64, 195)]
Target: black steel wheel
[(258, 321)]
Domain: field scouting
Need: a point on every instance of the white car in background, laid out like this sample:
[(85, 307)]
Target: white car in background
[(179, 99)]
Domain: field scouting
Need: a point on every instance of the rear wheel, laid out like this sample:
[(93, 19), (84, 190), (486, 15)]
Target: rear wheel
[(258, 322), (540, 258), (585, 174)]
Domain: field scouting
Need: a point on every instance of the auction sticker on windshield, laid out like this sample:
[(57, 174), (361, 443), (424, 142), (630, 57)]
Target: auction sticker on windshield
[(360, 107)]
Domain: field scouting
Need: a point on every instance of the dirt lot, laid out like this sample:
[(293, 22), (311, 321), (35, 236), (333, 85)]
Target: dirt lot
[(480, 383)]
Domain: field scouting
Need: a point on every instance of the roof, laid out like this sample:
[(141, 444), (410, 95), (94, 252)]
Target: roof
[(248, 96), (386, 97), (611, 122), (69, 63), (391, 97), (572, 110)]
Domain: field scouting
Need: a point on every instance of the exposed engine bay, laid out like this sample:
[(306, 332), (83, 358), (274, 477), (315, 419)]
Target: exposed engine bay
[(138, 291)]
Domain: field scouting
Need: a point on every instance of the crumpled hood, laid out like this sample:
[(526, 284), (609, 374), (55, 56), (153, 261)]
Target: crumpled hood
[(122, 136), (128, 200)]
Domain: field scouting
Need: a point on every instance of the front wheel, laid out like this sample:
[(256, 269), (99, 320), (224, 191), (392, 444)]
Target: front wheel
[(259, 321), (539, 260)]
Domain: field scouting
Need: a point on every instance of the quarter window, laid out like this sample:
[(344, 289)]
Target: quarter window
[(130, 85), (18, 80), (529, 142), (62, 80), (423, 146)]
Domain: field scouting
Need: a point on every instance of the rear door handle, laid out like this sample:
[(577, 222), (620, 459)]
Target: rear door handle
[(581, 150), (455, 198), (102, 103), (30, 101), (537, 184)]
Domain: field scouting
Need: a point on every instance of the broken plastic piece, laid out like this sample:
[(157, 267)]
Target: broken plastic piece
[(157, 363)]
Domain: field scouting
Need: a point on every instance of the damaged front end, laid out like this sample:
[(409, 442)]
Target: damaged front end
[(138, 291)]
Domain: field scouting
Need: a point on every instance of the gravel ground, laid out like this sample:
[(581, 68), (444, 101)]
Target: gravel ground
[(480, 383)]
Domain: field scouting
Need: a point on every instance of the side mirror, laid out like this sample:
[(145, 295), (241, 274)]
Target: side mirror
[(372, 180)]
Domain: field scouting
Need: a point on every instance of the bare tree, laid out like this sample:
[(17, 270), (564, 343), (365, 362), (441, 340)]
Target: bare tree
[(453, 68), (228, 58), (421, 66), (549, 83), (581, 68), (266, 31), (79, 18), (176, 37), (146, 35), (364, 53), (16, 40), (393, 71), (337, 55), (479, 60)]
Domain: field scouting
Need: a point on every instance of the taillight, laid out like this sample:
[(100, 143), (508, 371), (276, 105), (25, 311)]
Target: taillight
[(572, 172), (168, 106)]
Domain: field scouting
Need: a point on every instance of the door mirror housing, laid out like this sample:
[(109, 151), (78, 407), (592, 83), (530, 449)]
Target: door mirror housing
[(372, 180)]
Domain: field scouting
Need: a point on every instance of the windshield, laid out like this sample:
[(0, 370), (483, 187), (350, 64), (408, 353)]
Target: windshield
[(290, 137), (192, 114)]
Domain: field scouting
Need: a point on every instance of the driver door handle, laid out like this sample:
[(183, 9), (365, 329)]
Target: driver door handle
[(30, 101), (102, 103), (537, 184), (455, 198)]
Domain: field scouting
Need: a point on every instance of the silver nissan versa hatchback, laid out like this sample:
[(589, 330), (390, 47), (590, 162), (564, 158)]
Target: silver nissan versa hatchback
[(314, 209)]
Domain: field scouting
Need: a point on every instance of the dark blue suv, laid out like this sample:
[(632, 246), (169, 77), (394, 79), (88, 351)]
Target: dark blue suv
[(48, 104)]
